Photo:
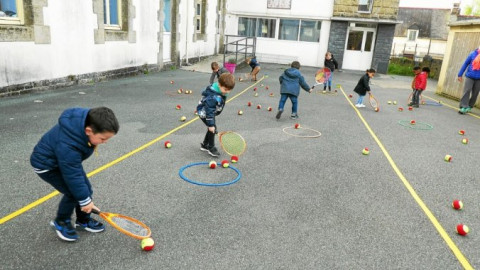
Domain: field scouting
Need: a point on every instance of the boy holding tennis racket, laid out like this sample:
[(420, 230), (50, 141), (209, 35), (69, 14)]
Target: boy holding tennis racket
[(57, 159), (419, 84), (363, 86), (212, 103), (217, 71), (291, 80)]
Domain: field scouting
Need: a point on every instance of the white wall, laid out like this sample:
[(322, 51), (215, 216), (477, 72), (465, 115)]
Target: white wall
[(423, 47), (284, 51), (72, 49)]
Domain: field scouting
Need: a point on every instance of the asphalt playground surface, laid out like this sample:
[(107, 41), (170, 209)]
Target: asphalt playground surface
[(301, 203)]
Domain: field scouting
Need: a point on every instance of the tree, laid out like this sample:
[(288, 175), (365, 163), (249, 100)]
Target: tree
[(472, 9)]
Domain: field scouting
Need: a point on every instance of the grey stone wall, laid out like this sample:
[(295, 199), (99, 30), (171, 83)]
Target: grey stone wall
[(383, 46), (432, 23), (337, 39)]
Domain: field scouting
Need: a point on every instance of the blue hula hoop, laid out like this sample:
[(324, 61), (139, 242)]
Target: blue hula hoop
[(180, 172)]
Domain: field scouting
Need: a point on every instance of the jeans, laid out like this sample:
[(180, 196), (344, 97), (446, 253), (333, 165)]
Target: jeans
[(68, 202), (360, 99), (283, 99)]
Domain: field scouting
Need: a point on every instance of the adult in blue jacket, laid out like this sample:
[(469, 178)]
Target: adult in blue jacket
[(472, 81), (57, 159), (291, 80)]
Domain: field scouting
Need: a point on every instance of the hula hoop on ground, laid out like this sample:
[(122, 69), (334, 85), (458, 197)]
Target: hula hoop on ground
[(418, 125), (180, 172), (433, 103), (318, 134)]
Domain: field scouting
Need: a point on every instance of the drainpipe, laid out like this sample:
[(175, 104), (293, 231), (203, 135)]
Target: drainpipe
[(186, 32)]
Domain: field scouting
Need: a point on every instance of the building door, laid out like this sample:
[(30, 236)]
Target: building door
[(359, 47)]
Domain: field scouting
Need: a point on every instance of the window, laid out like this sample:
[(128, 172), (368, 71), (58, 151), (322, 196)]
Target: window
[(266, 28), (288, 29), (112, 11), (167, 23), (354, 42), (365, 6), (310, 31), (11, 12), (369, 42), (412, 35), (199, 17), (246, 27)]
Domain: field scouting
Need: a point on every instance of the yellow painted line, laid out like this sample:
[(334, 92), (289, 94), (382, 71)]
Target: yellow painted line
[(456, 251), (110, 164), (450, 106)]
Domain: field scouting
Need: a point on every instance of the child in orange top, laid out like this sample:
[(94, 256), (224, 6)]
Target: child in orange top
[(419, 84)]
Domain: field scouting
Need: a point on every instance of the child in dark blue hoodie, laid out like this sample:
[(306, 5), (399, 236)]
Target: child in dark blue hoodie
[(291, 81), (57, 159), (212, 103)]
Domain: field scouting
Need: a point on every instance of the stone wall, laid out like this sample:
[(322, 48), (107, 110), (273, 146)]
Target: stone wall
[(386, 9), (383, 46)]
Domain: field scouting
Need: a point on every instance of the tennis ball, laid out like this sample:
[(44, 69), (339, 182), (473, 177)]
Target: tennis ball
[(389, 102), (423, 102), (178, 107), (336, 90), (297, 125), (240, 112), (412, 122), (462, 229), (365, 151), (400, 109), (147, 244), (256, 94), (271, 94), (465, 141), (225, 163), (410, 108), (172, 82), (266, 87), (324, 91), (448, 158), (350, 96), (234, 159), (457, 205), (269, 109), (195, 112), (183, 118), (377, 109), (461, 132), (168, 144), (259, 106), (212, 164), (255, 89), (394, 102), (249, 104), (180, 90)]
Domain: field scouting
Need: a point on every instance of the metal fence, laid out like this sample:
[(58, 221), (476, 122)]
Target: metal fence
[(239, 48)]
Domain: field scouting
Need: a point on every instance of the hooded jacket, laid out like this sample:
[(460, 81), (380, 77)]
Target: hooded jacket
[(291, 80), (468, 66), (211, 104), (363, 85), (64, 147)]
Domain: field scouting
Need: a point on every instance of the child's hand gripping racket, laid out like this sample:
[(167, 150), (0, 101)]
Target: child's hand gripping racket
[(322, 76), (127, 225), (373, 101), (232, 143)]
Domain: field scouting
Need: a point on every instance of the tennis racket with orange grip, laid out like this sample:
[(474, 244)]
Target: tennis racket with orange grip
[(125, 224)]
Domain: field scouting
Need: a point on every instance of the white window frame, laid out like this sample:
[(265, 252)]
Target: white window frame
[(19, 20), (409, 32), (107, 15), (198, 16), (368, 3)]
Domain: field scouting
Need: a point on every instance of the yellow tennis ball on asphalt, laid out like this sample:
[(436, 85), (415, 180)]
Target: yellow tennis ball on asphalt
[(448, 158), (147, 244), (183, 118), (465, 141), (394, 102)]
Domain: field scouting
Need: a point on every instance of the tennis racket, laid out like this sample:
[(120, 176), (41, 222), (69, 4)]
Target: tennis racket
[(373, 101), (127, 225), (422, 101), (322, 76), (232, 143)]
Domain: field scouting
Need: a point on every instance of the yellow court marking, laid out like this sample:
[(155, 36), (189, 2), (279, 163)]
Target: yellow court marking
[(110, 164), (456, 251), (452, 107)]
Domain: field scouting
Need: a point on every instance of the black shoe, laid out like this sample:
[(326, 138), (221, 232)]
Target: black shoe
[(279, 114), (212, 151), (203, 147)]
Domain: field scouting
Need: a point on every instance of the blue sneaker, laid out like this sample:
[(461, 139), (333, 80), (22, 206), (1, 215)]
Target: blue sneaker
[(65, 230), (468, 109), (90, 225)]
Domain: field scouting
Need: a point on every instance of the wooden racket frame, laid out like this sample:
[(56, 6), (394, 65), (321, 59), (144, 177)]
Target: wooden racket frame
[(108, 218), (409, 100), (370, 98), (220, 134)]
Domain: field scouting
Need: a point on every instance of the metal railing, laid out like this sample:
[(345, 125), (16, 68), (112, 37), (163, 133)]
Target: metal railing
[(239, 48)]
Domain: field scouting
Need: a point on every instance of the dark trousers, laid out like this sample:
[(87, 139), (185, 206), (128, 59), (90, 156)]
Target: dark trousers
[(470, 93), (209, 139), (68, 202), (416, 96), (283, 99)]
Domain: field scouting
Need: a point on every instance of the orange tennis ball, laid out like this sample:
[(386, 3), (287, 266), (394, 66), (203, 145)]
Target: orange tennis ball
[(461, 132), (457, 205), (271, 94), (255, 89), (350, 96), (180, 90), (168, 144), (365, 151), (249, 104), (148, 244), (377, 109), (400, 109), (412, 122), (297, 125), (462, 229), (410, 108), (465, 141), (212, 164), (172, 82), (178, 107), (269, 109), (225, 163), (234, 159), (448, 158), (266, 87), (259, 106)]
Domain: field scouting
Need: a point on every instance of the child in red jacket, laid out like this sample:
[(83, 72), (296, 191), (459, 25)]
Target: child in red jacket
[(419, 84)]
